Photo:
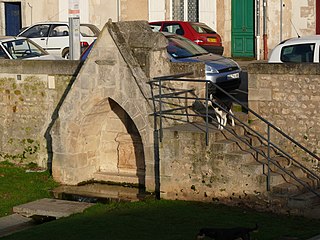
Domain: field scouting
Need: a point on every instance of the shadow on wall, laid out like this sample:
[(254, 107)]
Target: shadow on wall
[(130, 147)]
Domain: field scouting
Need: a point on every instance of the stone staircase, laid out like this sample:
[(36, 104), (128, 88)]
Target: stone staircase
[(248, 150), (233, 165), (240, 148)]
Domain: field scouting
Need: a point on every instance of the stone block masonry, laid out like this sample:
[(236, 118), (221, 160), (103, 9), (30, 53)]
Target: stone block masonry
[(29, 94), (288, 96)]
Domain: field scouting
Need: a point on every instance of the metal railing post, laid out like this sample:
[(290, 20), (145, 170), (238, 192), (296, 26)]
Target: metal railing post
[(268, 178), (160, 109), (207, 115)]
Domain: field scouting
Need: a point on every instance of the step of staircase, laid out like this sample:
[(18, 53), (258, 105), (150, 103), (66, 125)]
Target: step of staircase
[(293, 187), (249, 155), (285, 189), (233, 144), (182, 131), (304, 200)]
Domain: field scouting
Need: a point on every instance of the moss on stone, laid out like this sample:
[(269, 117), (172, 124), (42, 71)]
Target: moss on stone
[(17, 92)]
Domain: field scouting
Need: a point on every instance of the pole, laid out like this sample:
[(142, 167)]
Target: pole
[(281, 4), (258, 29), (118, 10), (74, 30), (265, 38)]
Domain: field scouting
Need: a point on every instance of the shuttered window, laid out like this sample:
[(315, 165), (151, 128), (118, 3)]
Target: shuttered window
[(185, 10), (193, 10), (178, 10)]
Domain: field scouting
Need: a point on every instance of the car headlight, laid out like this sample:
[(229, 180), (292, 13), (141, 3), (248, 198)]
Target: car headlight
[(210, 69)]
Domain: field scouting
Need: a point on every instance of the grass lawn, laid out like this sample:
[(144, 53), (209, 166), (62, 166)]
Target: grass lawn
[(165, 220), (18, 186)]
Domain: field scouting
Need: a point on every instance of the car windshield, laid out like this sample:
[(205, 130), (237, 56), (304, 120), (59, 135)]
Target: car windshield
[(202, 28), (179, 47), (88, 30), (37, 31), (155, 27), (22, 48)]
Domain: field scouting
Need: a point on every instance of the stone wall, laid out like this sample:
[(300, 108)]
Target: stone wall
[(30, 92), (191, 170), (288, 96)]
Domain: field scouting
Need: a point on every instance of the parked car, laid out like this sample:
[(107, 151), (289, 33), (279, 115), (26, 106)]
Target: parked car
[(197, 32), (23, 48), (297, 50), (86, 52), (219, 70), (54, 36)]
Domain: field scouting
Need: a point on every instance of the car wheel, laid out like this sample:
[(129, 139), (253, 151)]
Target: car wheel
[(66, 53)]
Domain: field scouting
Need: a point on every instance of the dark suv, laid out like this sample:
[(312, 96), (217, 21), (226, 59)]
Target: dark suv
[(197, 32)]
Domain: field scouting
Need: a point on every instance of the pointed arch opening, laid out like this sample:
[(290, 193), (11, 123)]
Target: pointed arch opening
[(112, 142)]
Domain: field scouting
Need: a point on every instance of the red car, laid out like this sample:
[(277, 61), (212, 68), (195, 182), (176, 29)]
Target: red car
[(197, 32)]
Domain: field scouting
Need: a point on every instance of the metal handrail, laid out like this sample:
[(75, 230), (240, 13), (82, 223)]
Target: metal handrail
[(161, 114)]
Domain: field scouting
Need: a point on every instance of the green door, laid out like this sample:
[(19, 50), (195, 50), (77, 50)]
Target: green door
[(242, 38)]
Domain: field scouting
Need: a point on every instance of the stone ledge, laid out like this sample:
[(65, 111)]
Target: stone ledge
[(14, 223), (51, 208)]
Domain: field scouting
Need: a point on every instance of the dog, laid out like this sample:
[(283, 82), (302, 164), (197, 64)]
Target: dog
[(226, 233), (223, 112)]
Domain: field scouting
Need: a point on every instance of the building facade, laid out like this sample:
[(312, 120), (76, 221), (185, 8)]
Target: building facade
[(16, 14), (249, 28)]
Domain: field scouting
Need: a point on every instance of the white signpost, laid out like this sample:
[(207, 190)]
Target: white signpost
[(74, 29)]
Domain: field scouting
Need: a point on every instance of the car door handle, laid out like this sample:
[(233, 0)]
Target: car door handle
[(42, 39)]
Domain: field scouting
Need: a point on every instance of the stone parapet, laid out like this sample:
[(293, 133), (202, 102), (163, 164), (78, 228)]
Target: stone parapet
[(30, 91)]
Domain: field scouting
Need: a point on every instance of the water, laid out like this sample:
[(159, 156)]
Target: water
[(100, 193)]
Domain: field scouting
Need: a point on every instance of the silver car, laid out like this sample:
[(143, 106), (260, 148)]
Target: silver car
[(222, 71)]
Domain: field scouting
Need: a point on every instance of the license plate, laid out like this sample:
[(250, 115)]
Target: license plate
[(233, 75), (212, 40)]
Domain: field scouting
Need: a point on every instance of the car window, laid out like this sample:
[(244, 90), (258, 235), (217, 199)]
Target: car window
[(155, 27), (37, 31), (179, 47), (22, 48), (59, 31), (298, 53), (173, 28), (202, 28), (87, 31), (3, 54)]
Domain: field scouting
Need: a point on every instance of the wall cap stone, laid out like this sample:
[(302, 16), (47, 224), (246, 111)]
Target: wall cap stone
[(284, 68), (50, 67)]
